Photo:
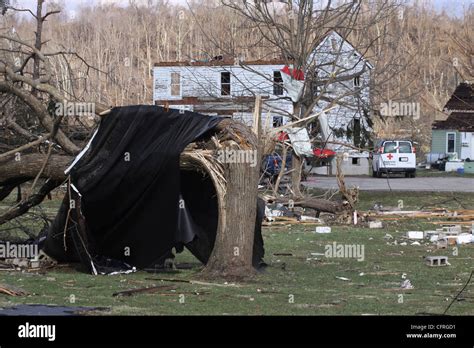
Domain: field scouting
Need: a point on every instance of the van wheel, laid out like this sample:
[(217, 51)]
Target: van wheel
[(407, 175)]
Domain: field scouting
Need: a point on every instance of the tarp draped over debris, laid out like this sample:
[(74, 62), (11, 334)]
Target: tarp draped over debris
[(126, 190)]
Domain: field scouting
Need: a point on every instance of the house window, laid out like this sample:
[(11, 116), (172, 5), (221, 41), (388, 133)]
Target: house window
[(451, 142), (225, 83), (357, 81), (175, 84), (277, 83), (355, 161), (356, 131), (277, 121)]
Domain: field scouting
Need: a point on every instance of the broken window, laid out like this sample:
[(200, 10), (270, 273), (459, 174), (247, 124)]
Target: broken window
[(277, 121), (451, 142), (277, 83), (355, 161), (225, 83), (175, 84)]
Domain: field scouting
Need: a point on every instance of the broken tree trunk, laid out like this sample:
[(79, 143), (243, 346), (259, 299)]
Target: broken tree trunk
[(296, 173), (232, 254), (29, 165)]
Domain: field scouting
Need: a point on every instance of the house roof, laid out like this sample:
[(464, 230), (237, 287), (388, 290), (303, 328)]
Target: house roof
[(222, 61), (460, 108), (462, 98), (226, 60)]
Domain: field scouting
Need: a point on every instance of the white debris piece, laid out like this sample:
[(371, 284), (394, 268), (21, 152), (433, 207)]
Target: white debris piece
[(309, 218), (464, 238), (406, 284), (323, 229), (375, 224), (343, 278), (415, 234)]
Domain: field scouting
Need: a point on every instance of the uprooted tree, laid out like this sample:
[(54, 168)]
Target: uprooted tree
[(38, 143)]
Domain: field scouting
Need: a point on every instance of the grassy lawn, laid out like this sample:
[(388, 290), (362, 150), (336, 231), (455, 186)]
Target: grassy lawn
[(373, 285)]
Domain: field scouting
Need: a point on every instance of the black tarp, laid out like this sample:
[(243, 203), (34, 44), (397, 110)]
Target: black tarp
[(126, 190)]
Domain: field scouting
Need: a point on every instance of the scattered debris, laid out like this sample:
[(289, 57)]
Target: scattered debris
[(323, 229), (375, 224), (436, 260), (415, 234), (464, 238), (11, 290), (442, 243), (225, 284), (406, 284), (394, 214), (282, 254), (388, 236), (343, 278), (415, 243), (305, 218), (150, 289)]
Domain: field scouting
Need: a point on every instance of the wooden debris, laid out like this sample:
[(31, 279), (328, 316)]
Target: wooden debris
[(193, 282), (150, 289), (11, 290)]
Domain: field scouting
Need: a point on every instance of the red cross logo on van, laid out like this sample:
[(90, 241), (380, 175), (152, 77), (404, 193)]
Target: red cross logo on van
[(390, 156)]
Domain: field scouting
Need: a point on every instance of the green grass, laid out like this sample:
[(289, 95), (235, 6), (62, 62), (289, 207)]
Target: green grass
[(310, 279), (437, 173)]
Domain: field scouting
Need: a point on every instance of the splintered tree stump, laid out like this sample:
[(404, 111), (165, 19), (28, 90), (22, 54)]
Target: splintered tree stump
[(233, 249)]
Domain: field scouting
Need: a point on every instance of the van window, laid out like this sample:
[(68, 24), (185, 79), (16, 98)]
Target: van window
[(404, 147), (390, 147)]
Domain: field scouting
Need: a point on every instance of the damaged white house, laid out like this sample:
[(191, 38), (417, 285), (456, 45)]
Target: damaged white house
[(227, 87)]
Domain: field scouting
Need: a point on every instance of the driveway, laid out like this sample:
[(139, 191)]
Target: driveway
[(446, 184)]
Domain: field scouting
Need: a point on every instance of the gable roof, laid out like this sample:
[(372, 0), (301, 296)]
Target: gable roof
[(347, 42), (460, 108)]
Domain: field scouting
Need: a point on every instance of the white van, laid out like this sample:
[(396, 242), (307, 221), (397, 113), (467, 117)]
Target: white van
[(394, 156)]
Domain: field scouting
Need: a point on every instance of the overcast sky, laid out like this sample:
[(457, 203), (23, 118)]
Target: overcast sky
[(451, 6)]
